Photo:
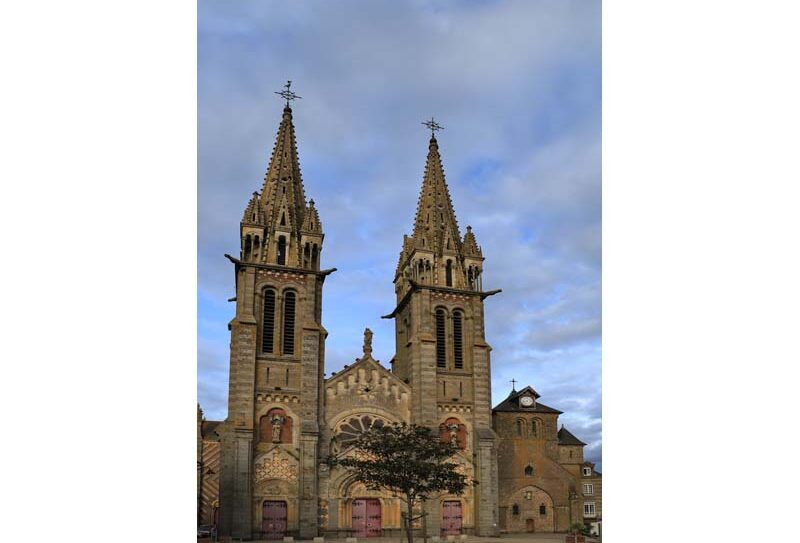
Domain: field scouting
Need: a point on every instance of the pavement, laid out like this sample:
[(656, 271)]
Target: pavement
[(505, 538)]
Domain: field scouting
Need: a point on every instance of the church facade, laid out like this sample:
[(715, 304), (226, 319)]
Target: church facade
[(285, 416)]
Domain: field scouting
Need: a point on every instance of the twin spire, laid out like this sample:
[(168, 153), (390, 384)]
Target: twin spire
[(279, 227)]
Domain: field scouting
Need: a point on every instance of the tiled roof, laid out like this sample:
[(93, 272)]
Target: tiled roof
[(511, 404), (565, 437)]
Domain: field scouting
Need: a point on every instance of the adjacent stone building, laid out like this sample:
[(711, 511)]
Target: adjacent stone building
[(284, 416)]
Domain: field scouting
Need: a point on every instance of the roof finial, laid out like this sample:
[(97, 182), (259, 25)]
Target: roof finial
[(367, 342), (513, 385), (287, 93), (434, 126)]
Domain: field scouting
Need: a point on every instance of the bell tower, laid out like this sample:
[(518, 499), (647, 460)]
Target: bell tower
[(269, 472), (441, 350)]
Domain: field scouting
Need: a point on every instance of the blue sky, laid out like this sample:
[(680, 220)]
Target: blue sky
[(516, 86)]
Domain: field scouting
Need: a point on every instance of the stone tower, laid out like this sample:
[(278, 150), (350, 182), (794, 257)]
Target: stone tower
[(276, 361), (441, 351)]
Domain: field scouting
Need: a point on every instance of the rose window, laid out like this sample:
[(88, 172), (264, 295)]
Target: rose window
[(355, 426)]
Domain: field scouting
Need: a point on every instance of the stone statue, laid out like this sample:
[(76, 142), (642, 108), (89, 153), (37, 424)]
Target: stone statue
[(367, 342), (453, 433), (277, 424)]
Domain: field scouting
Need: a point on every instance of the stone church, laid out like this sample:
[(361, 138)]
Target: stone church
[(285, 417)]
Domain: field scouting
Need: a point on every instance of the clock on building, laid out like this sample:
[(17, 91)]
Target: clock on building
[(526, 401)]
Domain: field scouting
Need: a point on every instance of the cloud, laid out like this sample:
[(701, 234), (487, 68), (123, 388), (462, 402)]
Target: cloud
[(516, 85)]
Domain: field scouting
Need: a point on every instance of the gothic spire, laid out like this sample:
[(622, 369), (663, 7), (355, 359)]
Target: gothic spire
[(435, 226), (283, 196)]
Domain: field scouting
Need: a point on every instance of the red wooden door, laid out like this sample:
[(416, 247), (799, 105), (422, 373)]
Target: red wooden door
[(451, 518), (273, 522), (367, 517)]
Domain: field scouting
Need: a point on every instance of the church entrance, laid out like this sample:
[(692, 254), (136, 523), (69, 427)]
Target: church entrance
[(367, 517), (273, 522), (451, 518), (529, 525)]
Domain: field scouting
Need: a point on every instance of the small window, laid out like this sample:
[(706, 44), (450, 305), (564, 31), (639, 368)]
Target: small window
[(515, 509), (448, 271), (587, 472), (588, 489), (519, 427), (542, 510), (282, 251), (528, 471), (589, 510)]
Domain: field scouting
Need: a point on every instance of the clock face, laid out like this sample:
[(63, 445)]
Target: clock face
[(526, 401)]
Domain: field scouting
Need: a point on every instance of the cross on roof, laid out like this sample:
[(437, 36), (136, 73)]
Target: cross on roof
[(287, 93), (513, 384), (433, 125)]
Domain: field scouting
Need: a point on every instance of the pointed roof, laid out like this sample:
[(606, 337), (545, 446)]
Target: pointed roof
[(565, 437), (311, 223), (435, 220), (470, 245), (511, 403), (283, 183), (254, 212)]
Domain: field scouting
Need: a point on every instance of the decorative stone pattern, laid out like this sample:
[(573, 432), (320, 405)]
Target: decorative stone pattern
[(276, 465)]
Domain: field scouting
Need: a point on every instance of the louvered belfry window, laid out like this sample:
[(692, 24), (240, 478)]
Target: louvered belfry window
[(441, 351), (282, 251), (458, 342), (268, 331), (288, 322)]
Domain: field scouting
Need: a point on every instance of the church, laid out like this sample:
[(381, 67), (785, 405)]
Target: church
[(285, 416)]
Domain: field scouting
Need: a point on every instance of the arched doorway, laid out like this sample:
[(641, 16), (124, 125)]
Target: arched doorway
[(452, 519), (366, 517), (273, 522)]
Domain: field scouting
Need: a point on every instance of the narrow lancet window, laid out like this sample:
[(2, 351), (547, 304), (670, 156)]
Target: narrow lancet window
[(268, 330), (288, 322), (448, 272), (441, 349), (282, 251), (458, 341)]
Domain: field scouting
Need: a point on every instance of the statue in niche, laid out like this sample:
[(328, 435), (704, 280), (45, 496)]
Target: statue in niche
[(453, 433), (367, 342), (277, 424)]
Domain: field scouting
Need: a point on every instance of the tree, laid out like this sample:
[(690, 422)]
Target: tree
[(407, 460)]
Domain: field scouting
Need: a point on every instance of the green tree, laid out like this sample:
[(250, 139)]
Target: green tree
[(408, 460)]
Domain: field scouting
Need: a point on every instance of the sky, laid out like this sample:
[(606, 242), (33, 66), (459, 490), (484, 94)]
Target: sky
[(517, 87)]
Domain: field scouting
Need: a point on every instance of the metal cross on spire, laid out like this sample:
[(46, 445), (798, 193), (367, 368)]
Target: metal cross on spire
[(287, 93), (434, 126), (513, 384)]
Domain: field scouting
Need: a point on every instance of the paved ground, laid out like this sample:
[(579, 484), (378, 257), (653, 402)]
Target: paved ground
[(505, 538)]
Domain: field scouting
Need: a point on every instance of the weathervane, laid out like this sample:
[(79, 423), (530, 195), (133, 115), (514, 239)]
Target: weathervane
[(433, 125), (287, 93)]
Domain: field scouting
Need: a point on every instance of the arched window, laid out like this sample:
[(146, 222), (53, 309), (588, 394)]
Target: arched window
[(441, 348), (542, 509), (282, 250), (288, 322), (448, 273), (536, 428), (515, 509), (268, 322), (519, 427), (275, 427), (458, 342), (528, 471)]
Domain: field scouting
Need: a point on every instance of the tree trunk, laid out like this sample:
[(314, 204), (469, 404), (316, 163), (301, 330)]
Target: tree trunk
[(409, 528)]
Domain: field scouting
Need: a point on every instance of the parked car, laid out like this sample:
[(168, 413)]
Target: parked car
[(206, 530)]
